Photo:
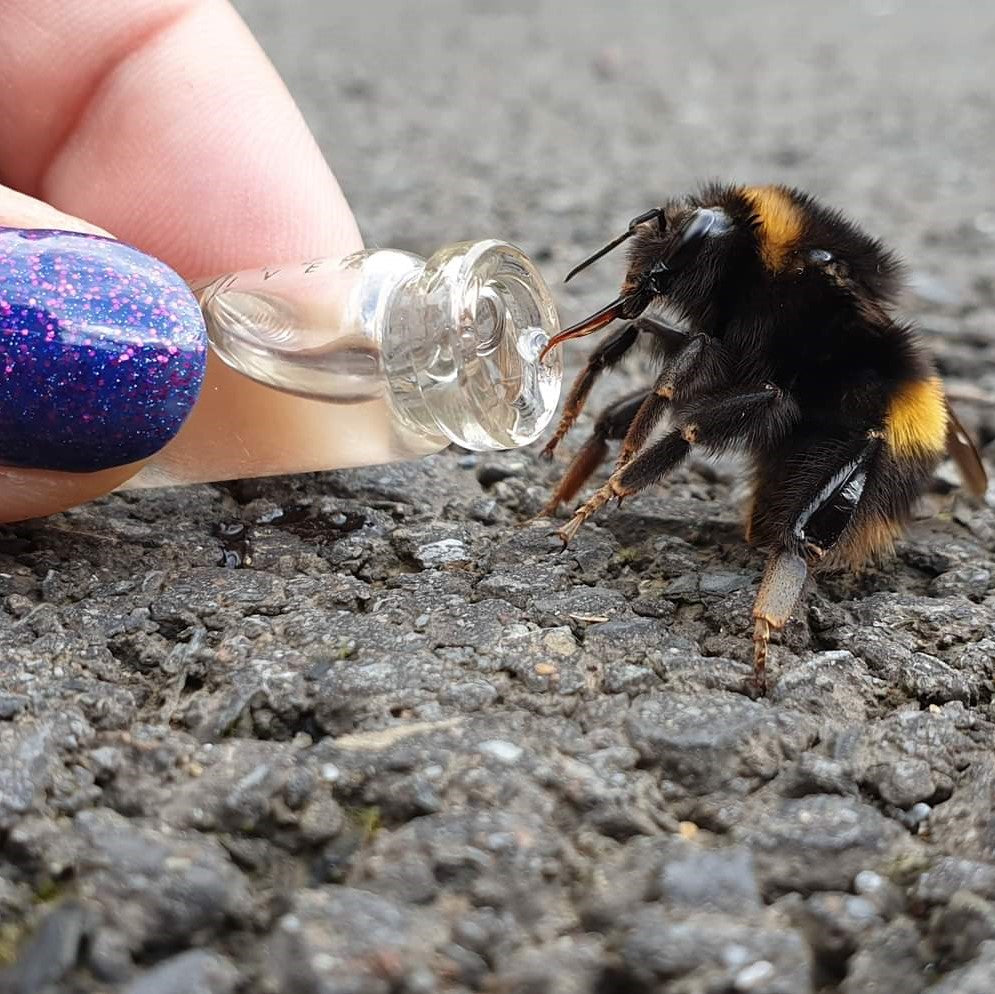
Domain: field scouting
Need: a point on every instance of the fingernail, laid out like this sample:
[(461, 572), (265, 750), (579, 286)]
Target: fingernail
[(102, 351)]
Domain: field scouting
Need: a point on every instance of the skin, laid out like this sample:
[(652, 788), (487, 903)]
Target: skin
[(164, 124)]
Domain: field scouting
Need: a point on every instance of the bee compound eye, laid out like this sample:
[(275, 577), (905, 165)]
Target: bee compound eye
[(702, 223), (820, 256), (721, 222)]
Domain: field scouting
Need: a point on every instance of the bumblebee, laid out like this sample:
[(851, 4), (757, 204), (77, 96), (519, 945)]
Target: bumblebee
[(790, 351)]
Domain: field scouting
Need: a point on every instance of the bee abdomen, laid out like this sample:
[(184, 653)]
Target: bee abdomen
[(916, 419)]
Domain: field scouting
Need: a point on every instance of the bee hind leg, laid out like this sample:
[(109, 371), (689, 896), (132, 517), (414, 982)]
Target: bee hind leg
[(780, 588), (826, 515)]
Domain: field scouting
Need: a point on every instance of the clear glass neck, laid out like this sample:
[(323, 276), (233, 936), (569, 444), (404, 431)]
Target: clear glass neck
[(451, 345)]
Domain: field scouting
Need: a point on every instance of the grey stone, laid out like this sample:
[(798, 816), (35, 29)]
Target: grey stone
[(522, 586), (484, 510), (969, 579), (204, 592), (463, 966), (470, 695), (477, 626), (815, 774), (630, 641), (626, 678), (502, 750), (885, 896), (975, 978), (890, 959), (26, 769), (724, 738), (625, 877), (958, 929), (759, 957), (966, 821), (493, 470), (192, 972), (906, 782), (580, 606), (338, 940), (909, 757), (827, 683), (109, 956), (12, 705), (433, 545), (709, 880), (820, 843), (570, 965), (51, 952), (924, 667), (949, 875), (496, 859), (156, 888), (255, 787), (836, 924)]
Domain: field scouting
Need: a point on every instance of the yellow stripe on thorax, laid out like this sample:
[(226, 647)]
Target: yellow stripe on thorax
[(917, 418), (780, 222)]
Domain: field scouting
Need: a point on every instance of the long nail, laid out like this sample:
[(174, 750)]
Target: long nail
[(102, 351)]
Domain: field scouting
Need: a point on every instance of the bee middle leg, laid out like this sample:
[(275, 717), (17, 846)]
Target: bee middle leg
[(754, 417), (698, 368), (609, 353)]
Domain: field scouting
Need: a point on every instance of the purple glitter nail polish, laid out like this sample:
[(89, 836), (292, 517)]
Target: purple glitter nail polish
[(102, 351)]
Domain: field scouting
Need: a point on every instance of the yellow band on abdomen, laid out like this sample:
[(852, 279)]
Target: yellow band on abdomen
[(917, 418)]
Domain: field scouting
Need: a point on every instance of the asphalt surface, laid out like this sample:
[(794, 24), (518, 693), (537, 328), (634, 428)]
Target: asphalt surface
[(413, 747)]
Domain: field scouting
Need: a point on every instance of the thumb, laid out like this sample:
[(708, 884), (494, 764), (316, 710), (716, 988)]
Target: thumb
[(102, 353)]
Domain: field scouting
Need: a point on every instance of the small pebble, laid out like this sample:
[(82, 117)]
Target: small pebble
[(502, 750), (752, 976)]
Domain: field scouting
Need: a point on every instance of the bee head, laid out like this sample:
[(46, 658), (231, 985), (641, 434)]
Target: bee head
[(683, 259), (676, 251)]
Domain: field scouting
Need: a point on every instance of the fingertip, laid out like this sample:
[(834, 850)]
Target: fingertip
[(35, 493), (102, 355)]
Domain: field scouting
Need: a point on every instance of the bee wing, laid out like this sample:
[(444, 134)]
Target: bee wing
[(963, 451)]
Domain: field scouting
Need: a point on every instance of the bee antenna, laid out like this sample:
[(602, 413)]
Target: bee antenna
[(597, 255), (628, 233)]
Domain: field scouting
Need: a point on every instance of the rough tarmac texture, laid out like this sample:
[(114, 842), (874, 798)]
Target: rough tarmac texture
[(413, 747)]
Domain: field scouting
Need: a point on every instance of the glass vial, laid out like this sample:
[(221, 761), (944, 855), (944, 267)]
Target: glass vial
[(408, 355)]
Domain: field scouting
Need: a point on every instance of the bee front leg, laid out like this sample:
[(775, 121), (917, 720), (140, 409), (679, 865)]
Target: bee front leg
[(612, 423), (649, 466), (608, 354)]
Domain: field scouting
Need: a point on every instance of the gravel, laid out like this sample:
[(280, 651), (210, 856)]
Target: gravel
[(412, 746)]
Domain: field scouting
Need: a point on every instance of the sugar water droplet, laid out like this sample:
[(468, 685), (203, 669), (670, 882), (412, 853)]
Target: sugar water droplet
[(531, 342)]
